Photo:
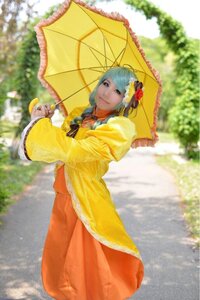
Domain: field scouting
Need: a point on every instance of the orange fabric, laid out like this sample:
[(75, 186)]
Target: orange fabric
[(100, 114), (75, 266)]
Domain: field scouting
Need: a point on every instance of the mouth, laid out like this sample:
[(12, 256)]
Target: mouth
[(101, 99)]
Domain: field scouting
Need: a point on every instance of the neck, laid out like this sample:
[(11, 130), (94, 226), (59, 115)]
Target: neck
[(99, 110)]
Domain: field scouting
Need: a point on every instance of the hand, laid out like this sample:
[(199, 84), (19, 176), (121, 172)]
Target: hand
[(44, 111)]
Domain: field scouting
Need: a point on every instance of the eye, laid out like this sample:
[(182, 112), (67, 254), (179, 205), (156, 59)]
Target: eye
[(118, 92), (105, 83)]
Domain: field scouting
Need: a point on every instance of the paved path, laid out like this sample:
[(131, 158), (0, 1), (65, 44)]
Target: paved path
[(149, 204)]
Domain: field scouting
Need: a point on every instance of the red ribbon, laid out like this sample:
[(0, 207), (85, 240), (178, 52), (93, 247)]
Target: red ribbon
[(138, 94)]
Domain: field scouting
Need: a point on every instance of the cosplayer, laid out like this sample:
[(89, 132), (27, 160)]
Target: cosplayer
[(88, 255)]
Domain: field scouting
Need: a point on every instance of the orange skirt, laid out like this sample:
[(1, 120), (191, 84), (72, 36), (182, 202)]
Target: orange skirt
[(75, 266)]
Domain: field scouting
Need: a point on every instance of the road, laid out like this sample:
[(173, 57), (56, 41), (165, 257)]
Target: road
[(149, 204)]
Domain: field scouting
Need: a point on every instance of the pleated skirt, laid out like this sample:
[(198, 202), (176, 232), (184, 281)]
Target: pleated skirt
[(75, 266)]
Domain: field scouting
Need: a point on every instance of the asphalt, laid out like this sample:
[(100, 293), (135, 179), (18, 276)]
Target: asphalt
[(149, 204)]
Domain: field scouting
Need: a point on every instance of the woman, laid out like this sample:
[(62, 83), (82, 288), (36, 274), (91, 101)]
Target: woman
[(88, 254)]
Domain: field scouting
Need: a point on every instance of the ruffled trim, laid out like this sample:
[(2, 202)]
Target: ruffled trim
[(147, 142), (22, 151), (84, 220), (114, 16)]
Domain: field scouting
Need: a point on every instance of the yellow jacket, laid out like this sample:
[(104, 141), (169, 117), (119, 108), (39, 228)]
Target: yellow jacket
[(86, 158)]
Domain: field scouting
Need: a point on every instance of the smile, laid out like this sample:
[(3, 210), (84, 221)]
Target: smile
[(103, 100)]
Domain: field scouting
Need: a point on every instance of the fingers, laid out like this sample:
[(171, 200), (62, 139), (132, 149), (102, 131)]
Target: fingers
[(48, 111), (37, 112), (42, 111), (45, 110)]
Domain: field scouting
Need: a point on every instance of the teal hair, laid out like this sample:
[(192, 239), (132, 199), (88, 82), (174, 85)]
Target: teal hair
[(119, 75)]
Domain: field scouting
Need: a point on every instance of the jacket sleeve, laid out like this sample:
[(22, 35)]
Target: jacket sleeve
[(45, 142)]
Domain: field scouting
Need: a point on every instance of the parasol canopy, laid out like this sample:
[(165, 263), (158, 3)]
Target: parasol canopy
[(78, 44)]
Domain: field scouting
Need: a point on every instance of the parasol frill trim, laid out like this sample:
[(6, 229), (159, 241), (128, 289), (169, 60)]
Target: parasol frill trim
[(115, 16)]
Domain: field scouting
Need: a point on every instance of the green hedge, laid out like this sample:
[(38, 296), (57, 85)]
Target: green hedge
[(184, 117)]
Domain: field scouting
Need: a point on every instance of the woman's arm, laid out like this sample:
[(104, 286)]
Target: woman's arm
[(45, 142)]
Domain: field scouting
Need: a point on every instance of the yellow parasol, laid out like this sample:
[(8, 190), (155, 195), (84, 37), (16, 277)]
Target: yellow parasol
[(78, 44)]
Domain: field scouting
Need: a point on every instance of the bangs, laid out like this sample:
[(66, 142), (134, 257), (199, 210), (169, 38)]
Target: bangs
[(120, 76)]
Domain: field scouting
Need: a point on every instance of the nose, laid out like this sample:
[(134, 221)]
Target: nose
[(107, 92)]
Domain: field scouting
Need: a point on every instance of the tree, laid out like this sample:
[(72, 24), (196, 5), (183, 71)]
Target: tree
[(26, 79), (184, 117), (4, 194), (163, 60), (28, 64), (12, 31)]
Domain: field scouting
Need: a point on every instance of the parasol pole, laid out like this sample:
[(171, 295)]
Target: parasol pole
[(35, 101)]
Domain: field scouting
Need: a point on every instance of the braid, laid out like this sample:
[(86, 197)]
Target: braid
[(97, 123), (78, 120), (75, 123)]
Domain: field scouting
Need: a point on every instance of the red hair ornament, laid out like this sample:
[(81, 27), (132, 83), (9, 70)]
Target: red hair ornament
[(133, 103)]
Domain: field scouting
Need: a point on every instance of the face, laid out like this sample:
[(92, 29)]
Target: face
[(108, 96)]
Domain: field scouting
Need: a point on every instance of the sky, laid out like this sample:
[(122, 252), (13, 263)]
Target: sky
[(186, 12)]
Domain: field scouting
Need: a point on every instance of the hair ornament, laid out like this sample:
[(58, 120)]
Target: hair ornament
[(133, 95), (129, 91), (138, 94)]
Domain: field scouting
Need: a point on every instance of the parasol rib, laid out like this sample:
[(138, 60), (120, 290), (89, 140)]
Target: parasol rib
[(93, 69), (100, 31), (113, 63), (75, 92), (78, 41)]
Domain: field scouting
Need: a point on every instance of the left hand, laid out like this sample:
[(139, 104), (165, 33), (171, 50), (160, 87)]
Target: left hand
[(42, 111)]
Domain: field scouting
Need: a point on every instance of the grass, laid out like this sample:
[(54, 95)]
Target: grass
[(20, 174), (187, 176), (17, 175)]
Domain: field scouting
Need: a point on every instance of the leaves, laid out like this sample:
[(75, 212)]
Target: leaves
[(12, 31), (28, 65), (184, 115)]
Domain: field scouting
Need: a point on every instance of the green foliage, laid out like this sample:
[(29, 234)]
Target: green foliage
[(3, 92), (24, 64), (12, 30), (162, 59), (3, 177), (184, 122), (28, 64), (26, 79), (20, 174), (8, 129), (14, 176), (187, 176), (183, 117)]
